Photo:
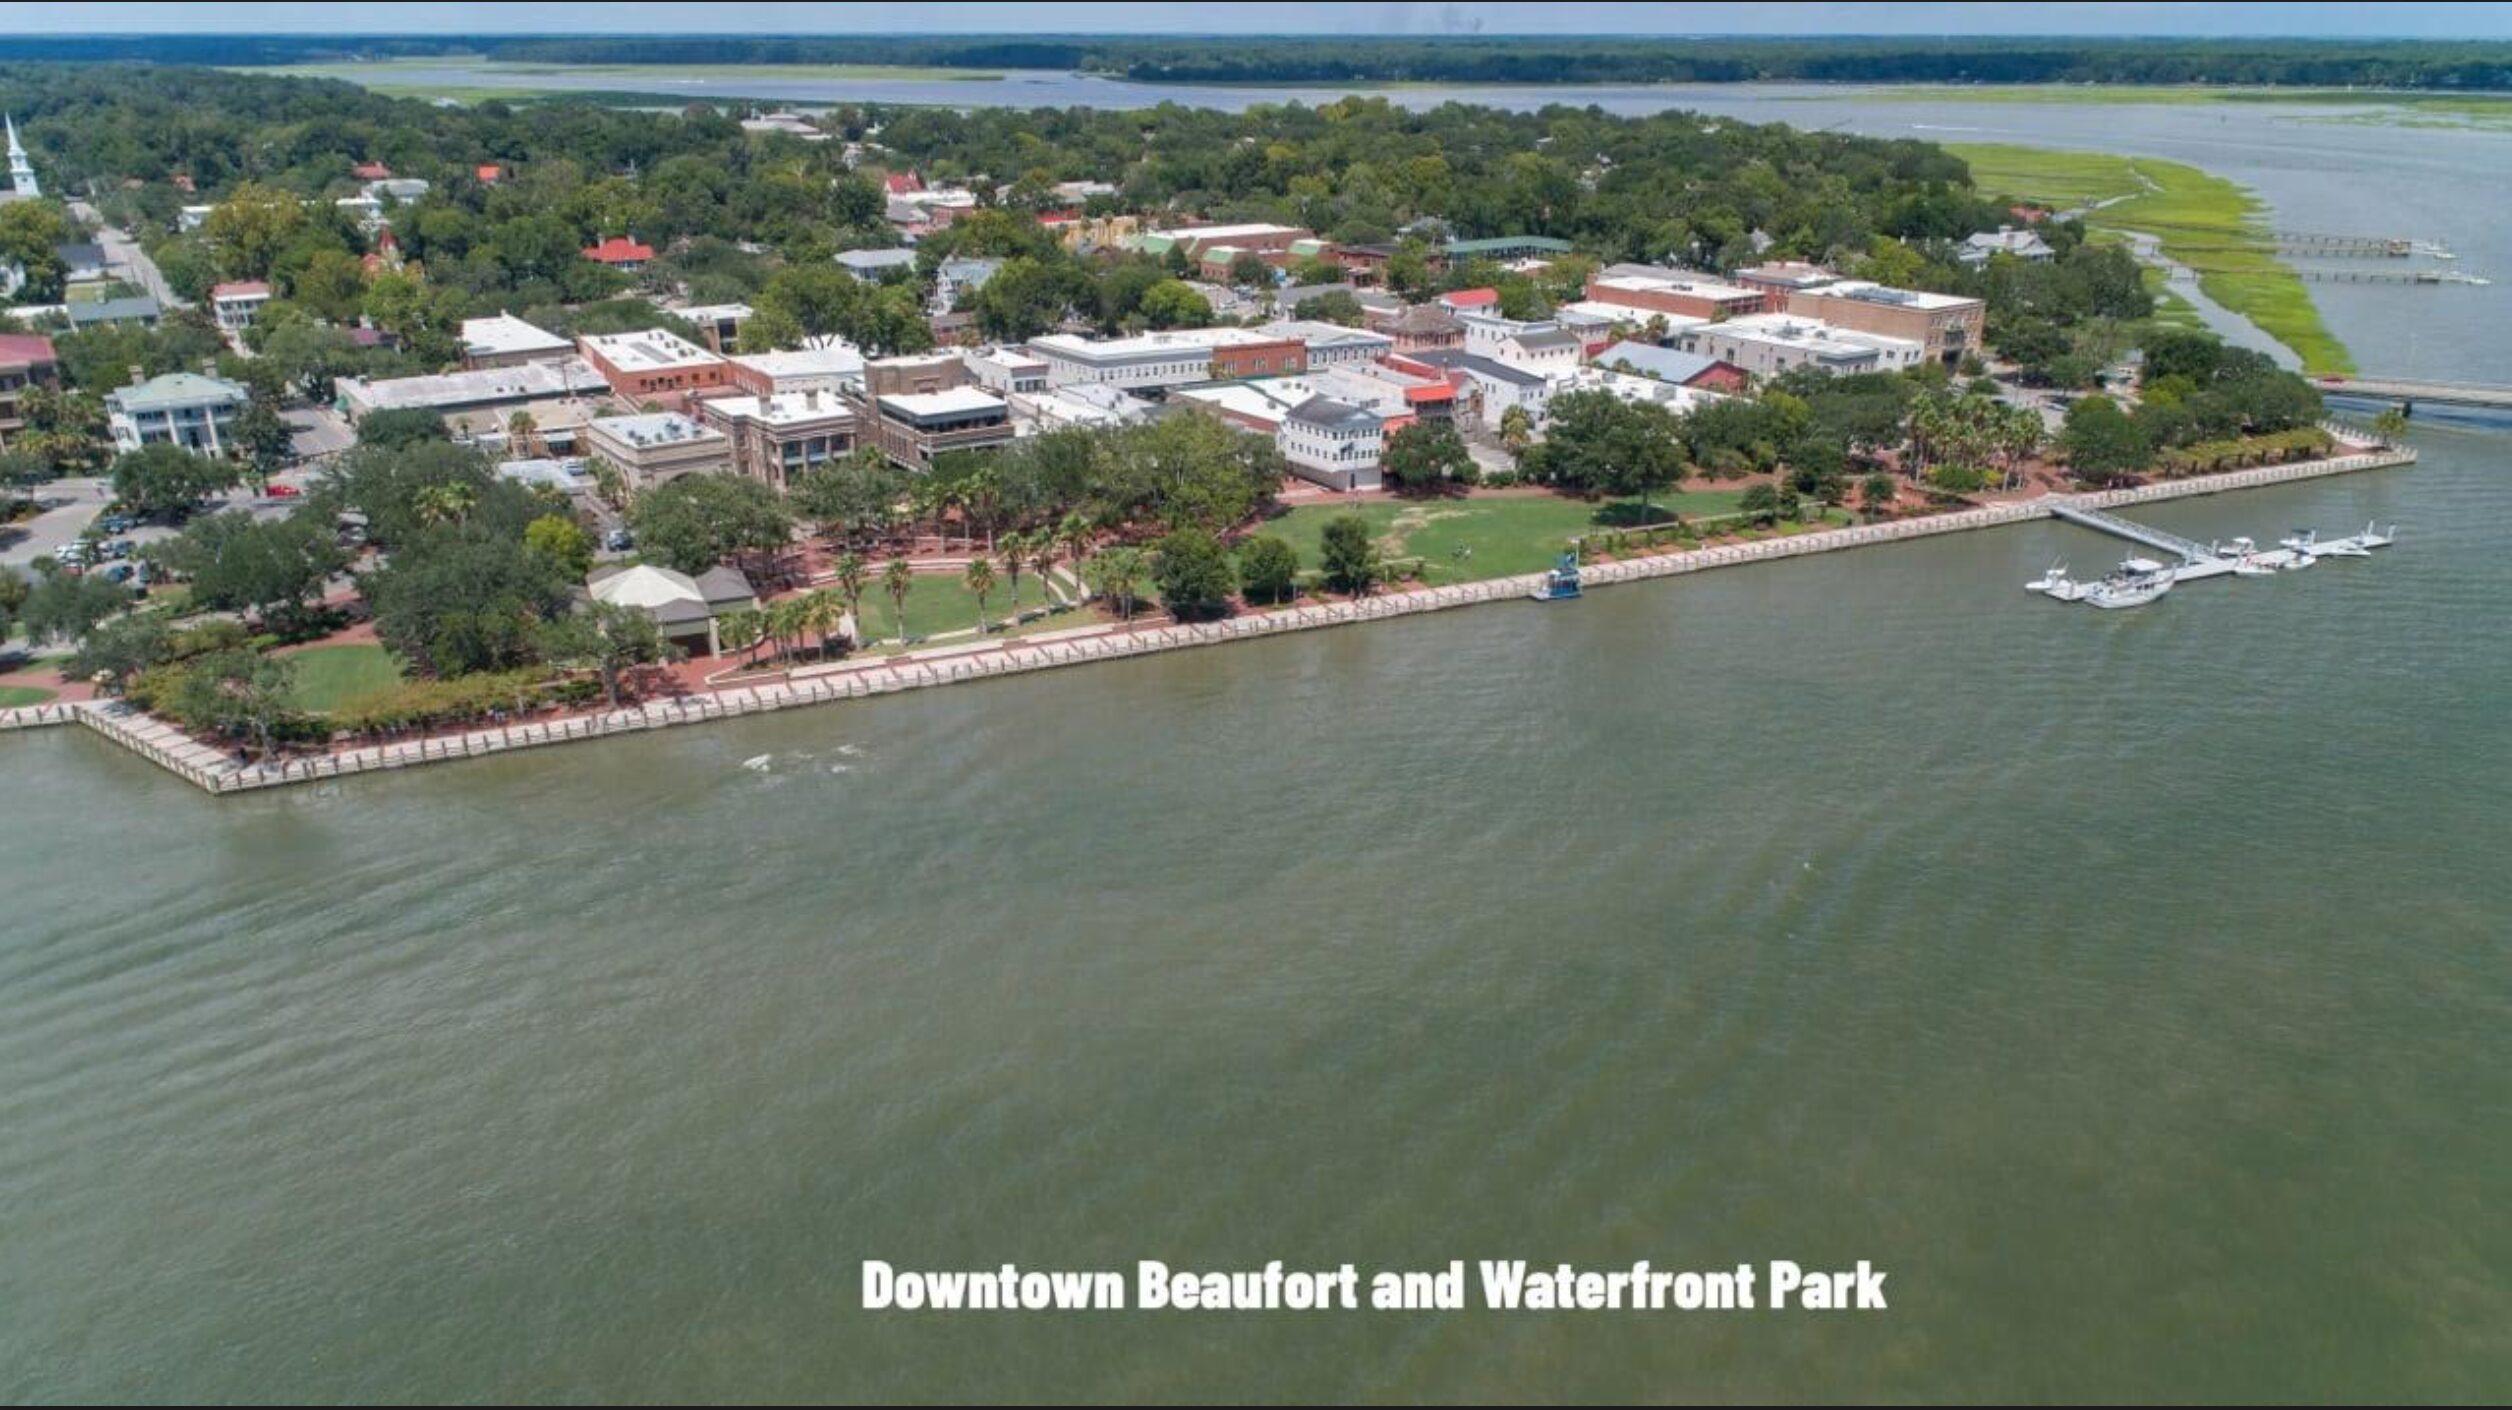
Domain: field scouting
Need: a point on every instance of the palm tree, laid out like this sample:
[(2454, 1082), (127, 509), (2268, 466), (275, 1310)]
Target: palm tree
[(1517, 430), (1120, 570), (896, 580), (852, 574), (980, 580), (1042, 555), (1076, 534), (820, 611), (983, 499), (522, 433), (740, 629), (1015, 551), (785, 625), (446, 503)]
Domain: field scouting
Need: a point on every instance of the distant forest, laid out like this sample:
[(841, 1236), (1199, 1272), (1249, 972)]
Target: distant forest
[(2415, 64)]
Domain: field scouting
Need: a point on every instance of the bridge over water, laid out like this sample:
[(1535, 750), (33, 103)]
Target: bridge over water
[(2414, 391)]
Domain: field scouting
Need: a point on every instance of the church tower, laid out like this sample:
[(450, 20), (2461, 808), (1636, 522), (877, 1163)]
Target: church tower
[(21, 171)]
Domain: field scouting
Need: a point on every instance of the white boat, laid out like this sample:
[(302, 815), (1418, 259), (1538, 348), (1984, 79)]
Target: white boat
[(2136, 582), (2303, 541), (2056, 583)]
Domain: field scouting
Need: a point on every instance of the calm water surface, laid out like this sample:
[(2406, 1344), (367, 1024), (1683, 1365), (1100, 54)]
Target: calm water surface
[(2135, 987)]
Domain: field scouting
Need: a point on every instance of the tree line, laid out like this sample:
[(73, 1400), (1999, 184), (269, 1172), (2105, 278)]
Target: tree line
[(1448, 58)]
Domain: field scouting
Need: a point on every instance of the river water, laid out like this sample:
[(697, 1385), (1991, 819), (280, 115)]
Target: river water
[(2133, 987)]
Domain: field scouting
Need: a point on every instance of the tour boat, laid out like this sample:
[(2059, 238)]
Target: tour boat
[(2136, 582), (1562, 582), (2056, 583)]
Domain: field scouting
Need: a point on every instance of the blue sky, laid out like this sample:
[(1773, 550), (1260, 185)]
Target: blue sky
[(2444, 21)]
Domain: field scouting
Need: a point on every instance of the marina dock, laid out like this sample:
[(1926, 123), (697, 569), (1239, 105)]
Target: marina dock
[(2138, 581)]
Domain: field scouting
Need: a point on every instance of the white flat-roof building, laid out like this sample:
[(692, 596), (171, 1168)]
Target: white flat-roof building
[(1081, 404), (503, 340), (1007, 370), (658, 447), (467, 391), (653, 362), (1170, 359), (1332, 344), (1767, 344), (833, 368)]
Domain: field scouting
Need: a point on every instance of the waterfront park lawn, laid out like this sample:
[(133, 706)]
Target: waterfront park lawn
[(327, 676), (2204, 221), (941, 603), (12, 696), (1506, 534)]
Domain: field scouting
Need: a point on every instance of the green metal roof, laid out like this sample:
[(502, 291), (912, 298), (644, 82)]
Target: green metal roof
[(176, 389), (1509, 242)]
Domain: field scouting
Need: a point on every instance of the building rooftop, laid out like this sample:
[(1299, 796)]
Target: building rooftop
[(1147, 344), (1790, 274), (651, 350), (782, 409), (713, 313), (139, 306), (1677, 282), (671, 597), (1479, 365), (619, 249), (1650, 360), (25, 350), (1867, 293), (567, 476), (1326, 335), (1812, 335), (1326, 411), (503, 334), (834, 360), (950, 401), (527, 382), (239, 289), (175, 389), (873, 261), (656, 428)]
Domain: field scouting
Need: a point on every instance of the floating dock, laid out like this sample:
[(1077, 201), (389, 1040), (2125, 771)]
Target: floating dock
[(2195, 560)]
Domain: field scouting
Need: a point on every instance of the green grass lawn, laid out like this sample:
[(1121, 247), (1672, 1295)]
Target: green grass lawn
[(941, 602), (2204, 221), (327, 676), (1508, 535), (12, 696)]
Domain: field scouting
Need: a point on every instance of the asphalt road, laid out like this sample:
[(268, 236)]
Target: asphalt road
[(83, 500), (125, 259)]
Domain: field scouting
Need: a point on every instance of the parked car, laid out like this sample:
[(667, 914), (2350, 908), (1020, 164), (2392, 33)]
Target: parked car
[(619, 540), (120, 572), (284, 491), (121, 548), (117, 523)]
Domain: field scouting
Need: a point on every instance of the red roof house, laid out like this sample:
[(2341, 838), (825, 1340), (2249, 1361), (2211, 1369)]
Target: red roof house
[(371, 171), (620, 252), (1471, 298), (490, 173), (899, 183)]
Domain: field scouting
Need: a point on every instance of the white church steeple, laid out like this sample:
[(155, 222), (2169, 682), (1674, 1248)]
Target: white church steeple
[(21, 170)]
